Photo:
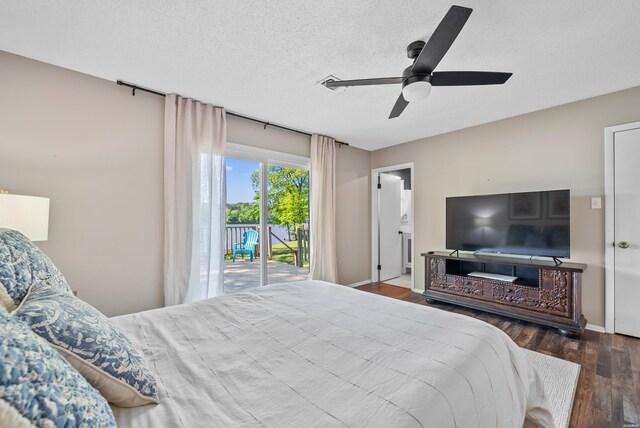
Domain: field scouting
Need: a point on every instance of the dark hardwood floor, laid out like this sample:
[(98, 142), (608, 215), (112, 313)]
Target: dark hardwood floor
[(608, 393)]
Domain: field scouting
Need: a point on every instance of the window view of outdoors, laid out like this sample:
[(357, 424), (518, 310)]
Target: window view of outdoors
[(288, 208), (287, 241)]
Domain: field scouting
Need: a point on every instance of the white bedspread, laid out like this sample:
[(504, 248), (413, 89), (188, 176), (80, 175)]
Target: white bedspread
[(314, 354)]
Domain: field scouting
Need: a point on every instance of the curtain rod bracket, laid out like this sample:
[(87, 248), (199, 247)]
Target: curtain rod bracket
[(265, 125), (133, 92)]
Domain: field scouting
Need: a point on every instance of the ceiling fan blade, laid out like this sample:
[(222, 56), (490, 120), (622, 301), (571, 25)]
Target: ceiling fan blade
[(468, 78), (441, 39), (363, 82), (398, 107)]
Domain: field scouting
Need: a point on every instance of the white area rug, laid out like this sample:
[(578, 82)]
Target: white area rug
[(560, 379)]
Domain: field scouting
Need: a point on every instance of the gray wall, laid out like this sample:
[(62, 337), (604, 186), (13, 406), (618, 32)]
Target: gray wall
[(557, 148), (353, 215), (96, 152)]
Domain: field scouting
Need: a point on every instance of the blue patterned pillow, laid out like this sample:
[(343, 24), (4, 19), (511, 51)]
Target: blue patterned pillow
[(22, 264), (39, 387), (95, 347)]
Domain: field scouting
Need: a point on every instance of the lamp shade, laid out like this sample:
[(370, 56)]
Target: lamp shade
[(482, 222), (28, 215)]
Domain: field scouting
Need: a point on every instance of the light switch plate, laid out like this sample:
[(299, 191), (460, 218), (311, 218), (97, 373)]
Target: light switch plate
[(596, 203)]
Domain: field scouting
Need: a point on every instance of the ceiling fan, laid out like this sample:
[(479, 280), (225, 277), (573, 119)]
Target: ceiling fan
[(418, 78)]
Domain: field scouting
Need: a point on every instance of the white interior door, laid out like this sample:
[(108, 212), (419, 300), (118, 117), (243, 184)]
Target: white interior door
[(390, 239), (627, 232)]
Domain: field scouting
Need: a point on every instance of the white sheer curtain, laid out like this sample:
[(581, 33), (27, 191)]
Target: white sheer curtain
[(194, 200), (323, 264)]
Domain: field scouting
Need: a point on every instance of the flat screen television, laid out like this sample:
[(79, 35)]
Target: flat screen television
[(529, 223)]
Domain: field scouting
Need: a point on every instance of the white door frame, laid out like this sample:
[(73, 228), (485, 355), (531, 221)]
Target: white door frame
[(609, 223), (264, 158), (374, 219)]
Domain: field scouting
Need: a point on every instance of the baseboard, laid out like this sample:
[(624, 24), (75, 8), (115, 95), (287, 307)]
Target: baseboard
[(595, 328), (358, 284)]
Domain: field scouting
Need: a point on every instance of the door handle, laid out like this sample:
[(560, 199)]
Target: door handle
[(623, 244)]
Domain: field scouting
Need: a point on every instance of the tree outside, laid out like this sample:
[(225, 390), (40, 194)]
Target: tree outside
[(287, 196), (287, 199), (288, 203), (243, 213)]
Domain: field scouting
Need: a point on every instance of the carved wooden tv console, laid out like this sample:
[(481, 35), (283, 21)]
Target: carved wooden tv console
[(545, 292)]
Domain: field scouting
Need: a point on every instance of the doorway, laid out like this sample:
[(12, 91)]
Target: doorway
[(392, 221), (622, 234), (267, 218)]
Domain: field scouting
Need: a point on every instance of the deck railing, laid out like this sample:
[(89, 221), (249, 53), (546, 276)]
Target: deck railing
[(301, 254), (302, 235)]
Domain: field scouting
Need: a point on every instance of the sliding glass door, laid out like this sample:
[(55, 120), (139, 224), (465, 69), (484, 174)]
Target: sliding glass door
[(267, 218), (288, 229), (242, 243)]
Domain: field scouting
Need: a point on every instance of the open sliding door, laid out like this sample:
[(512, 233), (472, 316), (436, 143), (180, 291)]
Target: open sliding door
[(267, 218)]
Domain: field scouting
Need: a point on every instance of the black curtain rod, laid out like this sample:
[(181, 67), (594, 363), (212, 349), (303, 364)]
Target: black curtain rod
[(135, 88)]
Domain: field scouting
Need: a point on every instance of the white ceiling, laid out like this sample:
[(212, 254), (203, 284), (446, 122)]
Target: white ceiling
[(263, 58)]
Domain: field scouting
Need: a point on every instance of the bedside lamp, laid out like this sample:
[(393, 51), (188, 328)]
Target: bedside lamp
[(28, 215), (482, 222)]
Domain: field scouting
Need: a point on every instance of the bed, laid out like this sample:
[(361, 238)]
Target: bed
[(315, 354)]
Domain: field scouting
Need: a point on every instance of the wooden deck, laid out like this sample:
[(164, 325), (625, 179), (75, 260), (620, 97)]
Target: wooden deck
[(608, 393), (243, 275)]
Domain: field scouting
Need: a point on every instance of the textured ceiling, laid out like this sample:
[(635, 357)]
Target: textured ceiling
[(264, 58)]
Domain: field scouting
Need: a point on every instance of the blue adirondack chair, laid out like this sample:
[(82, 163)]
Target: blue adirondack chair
[(249, 241)]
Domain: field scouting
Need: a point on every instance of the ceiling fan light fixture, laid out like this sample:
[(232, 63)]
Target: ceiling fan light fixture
[(418, 78), (416, 91)]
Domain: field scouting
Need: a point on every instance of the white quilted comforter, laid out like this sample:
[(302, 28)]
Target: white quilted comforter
[(314, 354)]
